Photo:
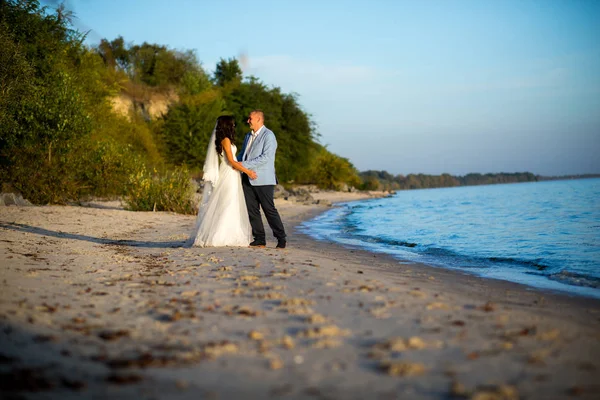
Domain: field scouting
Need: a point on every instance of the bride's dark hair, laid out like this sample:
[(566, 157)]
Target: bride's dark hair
[(225, 129)]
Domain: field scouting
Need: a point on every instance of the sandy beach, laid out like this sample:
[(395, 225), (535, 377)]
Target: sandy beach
[(101, 303)]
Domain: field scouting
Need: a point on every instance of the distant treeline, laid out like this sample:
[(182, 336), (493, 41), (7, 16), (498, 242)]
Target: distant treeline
[(382, 180), (566, 177)]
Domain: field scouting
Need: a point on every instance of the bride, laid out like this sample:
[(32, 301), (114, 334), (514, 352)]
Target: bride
[(222, 215)]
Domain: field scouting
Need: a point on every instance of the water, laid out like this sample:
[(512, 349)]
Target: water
[(542, 234)]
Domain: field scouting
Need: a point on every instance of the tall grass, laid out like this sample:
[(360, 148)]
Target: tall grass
[(167, 191)]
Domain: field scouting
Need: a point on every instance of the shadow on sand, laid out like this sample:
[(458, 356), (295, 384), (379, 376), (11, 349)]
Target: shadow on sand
[(66, 235)]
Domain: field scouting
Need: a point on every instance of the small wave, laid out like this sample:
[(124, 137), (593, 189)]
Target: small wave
[(454, 259), (528, 263), (363, 207), (572, 278), (472, 266), (350, 228), (385, 241), (357, 207)]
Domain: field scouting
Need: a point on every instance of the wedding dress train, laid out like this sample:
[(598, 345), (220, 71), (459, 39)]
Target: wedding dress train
[(222, 215)]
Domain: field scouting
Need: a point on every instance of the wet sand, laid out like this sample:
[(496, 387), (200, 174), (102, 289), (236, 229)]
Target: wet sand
[(97, 302)]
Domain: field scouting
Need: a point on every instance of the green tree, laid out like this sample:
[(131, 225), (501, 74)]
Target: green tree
[(330, 171), (227, 72), (194, 81), (49, 118), (296, 143), (56, 116), (371, 183), (152, 64), (43, 38), (115, 54), (292, 126), (187, 127), (16, 87)]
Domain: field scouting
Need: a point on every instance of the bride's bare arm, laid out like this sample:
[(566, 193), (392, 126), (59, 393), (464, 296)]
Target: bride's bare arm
[(226, 143)]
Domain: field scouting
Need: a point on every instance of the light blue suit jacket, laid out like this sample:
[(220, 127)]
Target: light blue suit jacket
[(261, 158)]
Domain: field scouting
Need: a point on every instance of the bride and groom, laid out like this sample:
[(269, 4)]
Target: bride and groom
[(229, 213)]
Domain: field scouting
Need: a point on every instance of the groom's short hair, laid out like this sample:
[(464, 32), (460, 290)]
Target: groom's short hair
[(260, 112)]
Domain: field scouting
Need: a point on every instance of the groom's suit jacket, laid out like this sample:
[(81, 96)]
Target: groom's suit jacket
[(261, 158)]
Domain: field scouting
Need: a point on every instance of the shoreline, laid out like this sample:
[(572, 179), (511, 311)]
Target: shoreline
[(99, 302), (544, 284), (465, 278)]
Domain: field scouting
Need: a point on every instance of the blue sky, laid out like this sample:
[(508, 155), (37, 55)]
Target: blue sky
[(428, 86)]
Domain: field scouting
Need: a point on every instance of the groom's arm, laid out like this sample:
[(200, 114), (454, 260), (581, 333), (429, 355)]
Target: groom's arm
[(268, 153)]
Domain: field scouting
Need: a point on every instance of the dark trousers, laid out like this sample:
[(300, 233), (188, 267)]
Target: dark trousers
[(258, 197)]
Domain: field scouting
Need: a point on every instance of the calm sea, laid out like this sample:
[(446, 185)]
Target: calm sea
[(543, 234)]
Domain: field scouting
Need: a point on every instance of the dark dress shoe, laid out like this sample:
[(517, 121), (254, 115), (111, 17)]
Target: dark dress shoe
[(280, 244), (258, 243)]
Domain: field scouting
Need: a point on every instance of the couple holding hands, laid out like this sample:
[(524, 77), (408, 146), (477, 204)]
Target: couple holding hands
[(229, 213)]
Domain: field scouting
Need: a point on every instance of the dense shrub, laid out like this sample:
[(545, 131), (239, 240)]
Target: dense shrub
[(330, 171), (168, 191), (39, 180), (104, 168)]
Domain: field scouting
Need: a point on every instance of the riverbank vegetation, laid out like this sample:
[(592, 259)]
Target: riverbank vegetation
[(79, 121)]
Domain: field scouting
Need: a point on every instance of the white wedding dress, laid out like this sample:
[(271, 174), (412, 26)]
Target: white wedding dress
[(222, 215)]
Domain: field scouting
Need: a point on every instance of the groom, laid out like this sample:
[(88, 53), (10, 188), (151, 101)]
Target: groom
[(258, 154)]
